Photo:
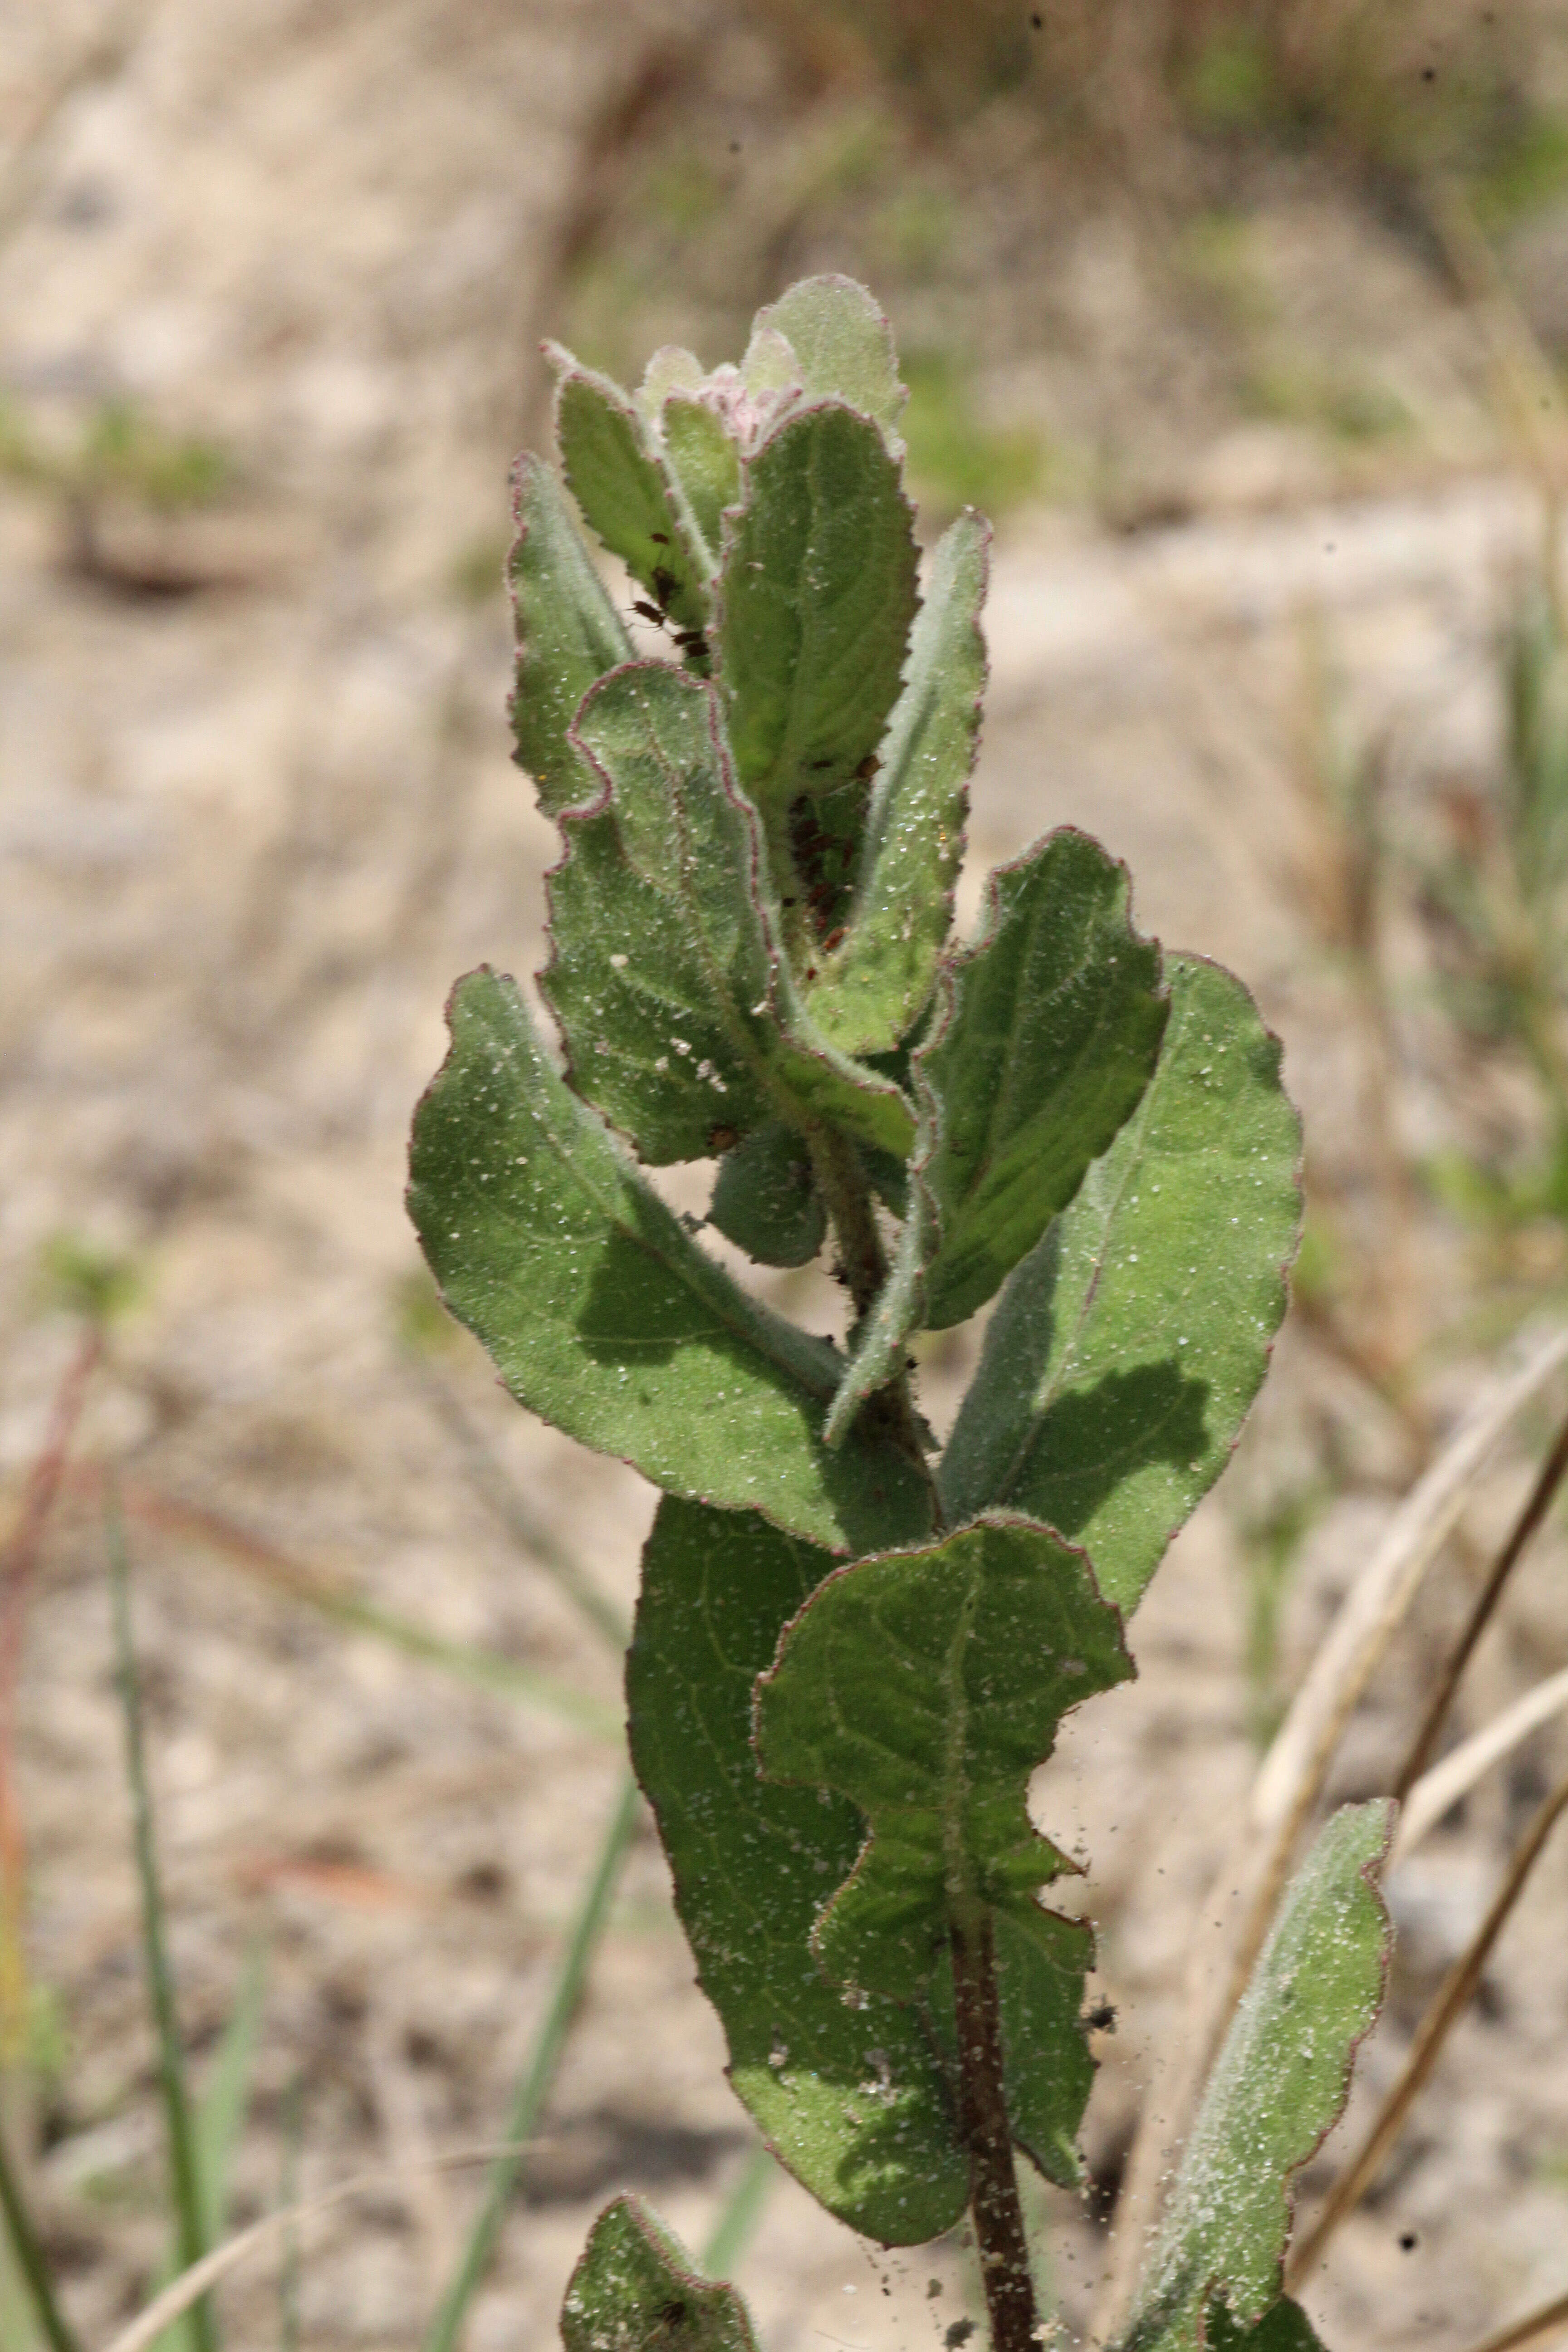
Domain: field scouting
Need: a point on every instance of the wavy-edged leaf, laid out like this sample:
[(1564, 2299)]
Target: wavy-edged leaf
[(678, 1007), (635, 2289), (568, 633), (854, 2101), (1127, 1347), (872, 989), (926, 1686), (841, 338), (1278, 2088), (816, 599), (604, 1316), (766, 1199), (618, 475), (707, 465), (1048, 1029)]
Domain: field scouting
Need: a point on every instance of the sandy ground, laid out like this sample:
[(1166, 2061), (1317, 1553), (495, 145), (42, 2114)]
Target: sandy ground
[(250, 832)]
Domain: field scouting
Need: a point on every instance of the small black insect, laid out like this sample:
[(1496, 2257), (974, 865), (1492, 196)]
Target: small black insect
[(647, 612), (664, 584), (660, 538), (868, 768), (1101, 2018)]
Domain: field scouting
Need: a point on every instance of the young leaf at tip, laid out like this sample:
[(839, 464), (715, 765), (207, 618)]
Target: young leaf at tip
[(619, 476), (816, 599), (842, 344), (1277, 2087), (707, 465), (605, 1316), (872, 990), (687, 1026), (1127, 1347), (635, 2287), (568, 633), (853, 2100)]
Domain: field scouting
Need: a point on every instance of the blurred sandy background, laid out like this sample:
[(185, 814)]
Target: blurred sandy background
[(1246, 323)]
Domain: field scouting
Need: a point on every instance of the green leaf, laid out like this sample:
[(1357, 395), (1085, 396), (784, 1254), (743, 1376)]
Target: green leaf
[(926, 1687), (707, 465), (617, 473), (840, 336), (815, 600), (854, 2101), (635, 2290), (222, 2108), (1046, 1034), (1127, 1347), (678, 1007), (766, 1200), (1056, 1018), (1277, 2090), (872, 990), (605, 1316), (568, 633)]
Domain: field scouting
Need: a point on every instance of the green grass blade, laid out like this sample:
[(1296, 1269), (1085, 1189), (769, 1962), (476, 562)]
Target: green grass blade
[(538, 2074), (221, 2111), (740, 2213), (185, 2166), (30, 2260)]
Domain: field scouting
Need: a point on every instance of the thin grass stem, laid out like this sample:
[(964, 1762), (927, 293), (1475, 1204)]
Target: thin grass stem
[(184, 2168), (1538, 1503), (1453, 1997), (539, 2076), (738, 2215), (30, 2259)]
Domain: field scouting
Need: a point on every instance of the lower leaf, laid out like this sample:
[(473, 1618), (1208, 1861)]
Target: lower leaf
[(634, 2288), (853, 2099)]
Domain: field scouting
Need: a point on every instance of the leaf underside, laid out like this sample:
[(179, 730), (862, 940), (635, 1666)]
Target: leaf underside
[(1277, 2087), (1127, 1347), (605, 1316), (621, 479), (568, 633), (634, 2288)]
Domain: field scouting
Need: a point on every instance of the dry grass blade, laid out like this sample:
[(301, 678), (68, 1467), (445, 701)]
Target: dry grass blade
[(1453, 1998), (181, 2293), (1535, 2327), (1231, 1928), (1457, 1774), (1530, 1518)]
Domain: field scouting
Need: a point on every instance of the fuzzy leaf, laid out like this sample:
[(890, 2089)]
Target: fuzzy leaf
[(815, 600), (635, 2290), (1126, 1350), (765, 1199), (843, 343), (618, 475), (707, 466), (873, 988), (852, 2100), (926, 1687), (1284, 2328), (678, 1006), (568, 633), (605, 1316), (1048, 1030), (1277, 2090), (1056, 1019)]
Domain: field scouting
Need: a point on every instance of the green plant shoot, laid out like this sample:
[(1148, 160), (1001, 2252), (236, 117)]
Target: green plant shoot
[(853, 1648)]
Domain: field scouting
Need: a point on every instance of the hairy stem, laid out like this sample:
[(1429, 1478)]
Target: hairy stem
[(846, 1196), (983, 2117)]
